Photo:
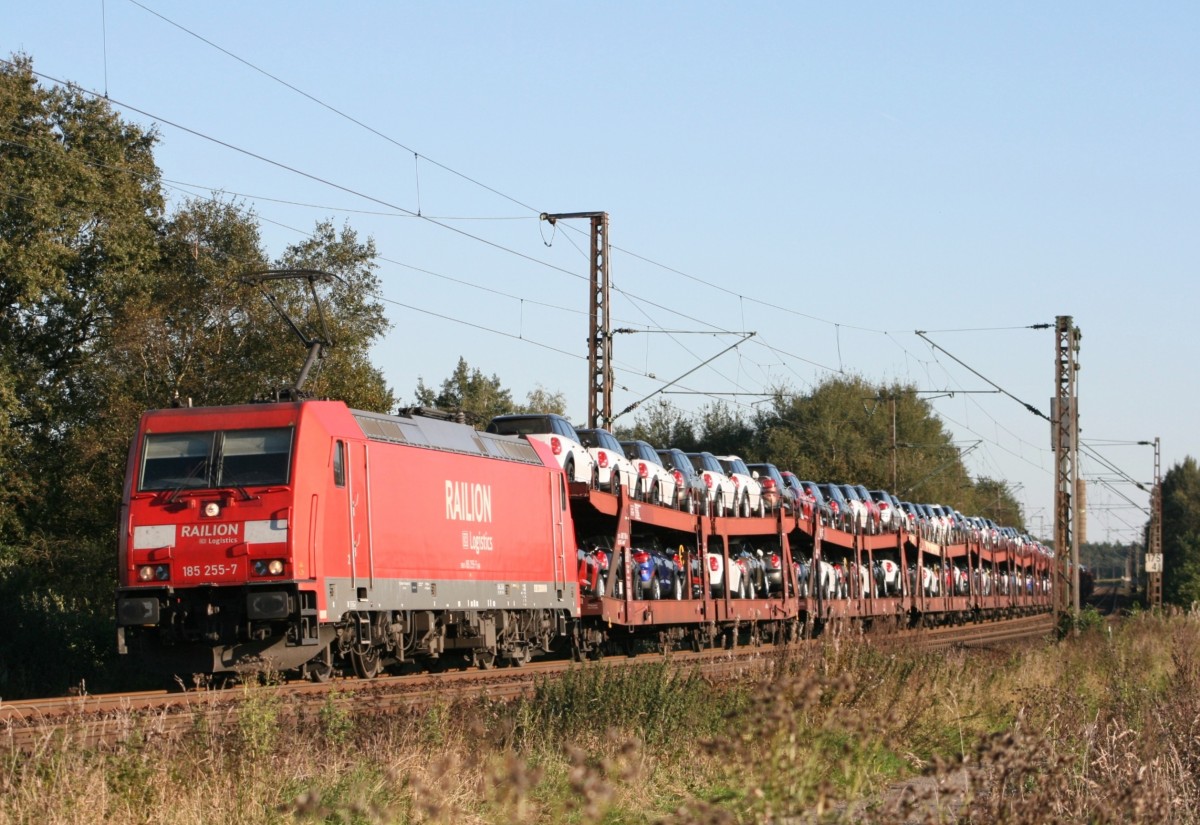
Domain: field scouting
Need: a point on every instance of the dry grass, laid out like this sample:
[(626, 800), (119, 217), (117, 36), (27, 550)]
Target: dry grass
[(1102, 729)]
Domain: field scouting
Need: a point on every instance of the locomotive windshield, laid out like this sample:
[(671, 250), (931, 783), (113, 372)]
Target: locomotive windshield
[(216, 458)]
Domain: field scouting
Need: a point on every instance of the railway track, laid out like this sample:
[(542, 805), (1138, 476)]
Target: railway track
[(107, 719)]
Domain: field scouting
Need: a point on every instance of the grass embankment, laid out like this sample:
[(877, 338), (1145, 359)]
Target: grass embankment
[(1105, 728)]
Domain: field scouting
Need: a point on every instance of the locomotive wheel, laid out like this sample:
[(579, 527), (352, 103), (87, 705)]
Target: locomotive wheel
[(366, 663)]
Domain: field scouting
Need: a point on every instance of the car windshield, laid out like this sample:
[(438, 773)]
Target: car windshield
[(768, 471), (672, 462), (598, 438), (216, 458), (521, 426)]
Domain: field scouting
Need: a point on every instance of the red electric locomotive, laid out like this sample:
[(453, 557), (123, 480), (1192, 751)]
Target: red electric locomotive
[(307, 535)]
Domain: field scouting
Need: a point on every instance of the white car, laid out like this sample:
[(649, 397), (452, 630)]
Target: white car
[(720, 487), (559, 434), (655, 483), (749, 499), (733, 572), (614, 470)]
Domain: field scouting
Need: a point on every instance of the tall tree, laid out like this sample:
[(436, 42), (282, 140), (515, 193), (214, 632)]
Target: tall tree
[(480, 398), (81, 207), (843, 430), (469, 391), (1181, 533), (663, 425)]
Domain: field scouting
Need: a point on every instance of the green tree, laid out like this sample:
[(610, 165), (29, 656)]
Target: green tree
[(469, 391), (1181, 533), (663, 425), (78, 243), (540, 399), (81, 207), (843, 431), (480, 398)]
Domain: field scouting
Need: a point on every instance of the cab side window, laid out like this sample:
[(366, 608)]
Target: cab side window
[(339, 464)]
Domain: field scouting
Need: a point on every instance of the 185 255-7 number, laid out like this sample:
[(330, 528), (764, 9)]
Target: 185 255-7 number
[(195, 571)]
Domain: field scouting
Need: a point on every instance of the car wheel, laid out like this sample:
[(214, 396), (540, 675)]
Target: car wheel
[(690, 502), (678, 589), (595, 477), (762, 508), (614, 481), (744, 507), (741, 591), (569, 469), (655, 588), (600, 577), (655, 494)]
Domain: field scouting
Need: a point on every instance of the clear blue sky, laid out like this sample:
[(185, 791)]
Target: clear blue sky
[(831, 177)]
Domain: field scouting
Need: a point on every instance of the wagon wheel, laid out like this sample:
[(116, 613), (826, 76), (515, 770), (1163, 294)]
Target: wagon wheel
[(366, 662), (485, 659)]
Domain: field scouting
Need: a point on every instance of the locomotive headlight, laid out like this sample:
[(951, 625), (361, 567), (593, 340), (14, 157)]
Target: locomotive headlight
[(263, 567), (212, 509), (146, 573)]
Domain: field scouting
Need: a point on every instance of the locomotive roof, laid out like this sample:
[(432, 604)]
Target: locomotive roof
[(438, 434)]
